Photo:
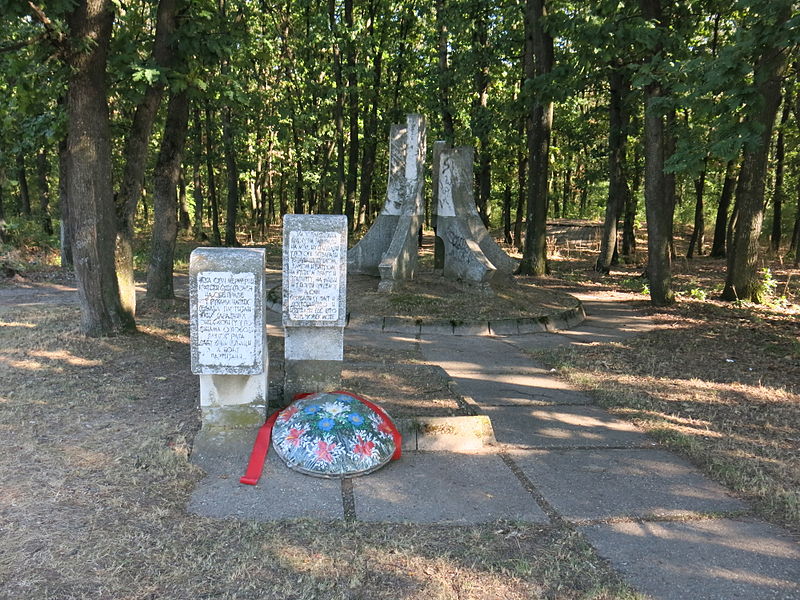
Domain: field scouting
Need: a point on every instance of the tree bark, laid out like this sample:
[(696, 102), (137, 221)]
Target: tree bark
[(165, 203), (617, 184), (197, 179), (538, 61), (370, 136), (136, 149), (481, 117), (91, 197), (740, 282), (338, 115)]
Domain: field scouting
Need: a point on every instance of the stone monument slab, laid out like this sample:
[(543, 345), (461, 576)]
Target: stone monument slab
[(314, 302), (228, 334)]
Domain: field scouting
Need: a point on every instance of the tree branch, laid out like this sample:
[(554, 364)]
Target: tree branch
[(22, 44), (56, 37)]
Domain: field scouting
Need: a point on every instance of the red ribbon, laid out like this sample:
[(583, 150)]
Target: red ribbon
[(261, 446)]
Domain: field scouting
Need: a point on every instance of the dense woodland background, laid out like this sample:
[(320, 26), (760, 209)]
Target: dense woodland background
[(217, 117)]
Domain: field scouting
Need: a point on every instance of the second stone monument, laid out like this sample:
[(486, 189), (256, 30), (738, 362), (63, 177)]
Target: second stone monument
[(314, 302)]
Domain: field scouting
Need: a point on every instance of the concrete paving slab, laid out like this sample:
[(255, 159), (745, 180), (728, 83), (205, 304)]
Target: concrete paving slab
[(517, 390), (719, 559), (384, 341), (563, 427), (444, 488), (602, 484), (484, 354), (281, 493)]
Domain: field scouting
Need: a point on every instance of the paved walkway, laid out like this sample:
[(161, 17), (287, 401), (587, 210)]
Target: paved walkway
[(672, 532)]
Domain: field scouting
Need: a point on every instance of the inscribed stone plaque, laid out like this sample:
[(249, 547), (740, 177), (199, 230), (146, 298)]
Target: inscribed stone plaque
[(227, 312), (226, 328), (312, 285), (314, 270)]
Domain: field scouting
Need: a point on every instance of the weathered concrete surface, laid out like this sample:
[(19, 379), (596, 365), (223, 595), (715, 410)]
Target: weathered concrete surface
[(444, 488), (719, 559), (604, 484), (563, 427), (281, 493)]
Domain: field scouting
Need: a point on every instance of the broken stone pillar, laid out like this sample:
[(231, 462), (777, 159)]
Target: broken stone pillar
[(314, 302), (229, 335), (400, 260), (366, 255), (470, 253), (386, 249)]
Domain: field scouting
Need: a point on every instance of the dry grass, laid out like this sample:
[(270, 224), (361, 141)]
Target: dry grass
[(94, 480)]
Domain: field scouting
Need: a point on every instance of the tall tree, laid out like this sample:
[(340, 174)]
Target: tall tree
[(165, 204), (137, 144), (769, 65), (619, 87), (90, 192), (658, 198), (538, 62)]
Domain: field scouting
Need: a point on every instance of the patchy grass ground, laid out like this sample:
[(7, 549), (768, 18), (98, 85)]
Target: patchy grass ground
[(95, 477), (717, 382)]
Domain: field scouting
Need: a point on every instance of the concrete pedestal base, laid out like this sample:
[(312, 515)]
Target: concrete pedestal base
[(233, 400)]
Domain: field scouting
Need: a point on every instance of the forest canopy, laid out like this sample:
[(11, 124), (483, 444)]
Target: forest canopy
[(216, 117)]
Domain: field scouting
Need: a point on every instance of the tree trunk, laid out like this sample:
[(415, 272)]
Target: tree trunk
[(740, 282), (165, 204), (42, 167), (2, 198), (353, 116), (338, 115), (24, 193), (212, 183), (777, 197), (370, 138), (444, 73), (657, 185), (91, 197), (617, 185), (538, 61), (698, 238), (721, 222), (136, 149), (522, 192), (232, 172), (197, 179), (481, 116)]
